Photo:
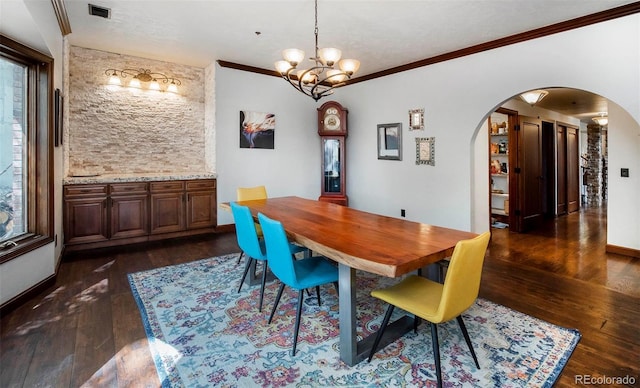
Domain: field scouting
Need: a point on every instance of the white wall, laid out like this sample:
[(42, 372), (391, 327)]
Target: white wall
[(457, 96), (624, 199), (292, 167), (36, 26)]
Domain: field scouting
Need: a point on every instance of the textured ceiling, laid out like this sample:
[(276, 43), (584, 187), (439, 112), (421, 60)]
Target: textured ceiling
[(381, 34)]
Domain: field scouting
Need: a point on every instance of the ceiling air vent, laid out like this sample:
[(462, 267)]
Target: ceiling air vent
[(96, 10)]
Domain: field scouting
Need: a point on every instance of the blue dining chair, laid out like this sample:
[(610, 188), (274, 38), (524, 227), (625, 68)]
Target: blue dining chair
[(297, 274), (252, 246)]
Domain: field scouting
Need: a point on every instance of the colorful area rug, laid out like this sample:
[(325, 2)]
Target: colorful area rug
[(203, 333)]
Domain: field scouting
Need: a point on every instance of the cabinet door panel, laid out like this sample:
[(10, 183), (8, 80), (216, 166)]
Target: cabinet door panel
[(201, 209), (167, 213), (129, 216), (86, 220)]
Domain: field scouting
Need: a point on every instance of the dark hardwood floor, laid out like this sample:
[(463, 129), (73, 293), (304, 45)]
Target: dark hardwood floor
[(86, 329)]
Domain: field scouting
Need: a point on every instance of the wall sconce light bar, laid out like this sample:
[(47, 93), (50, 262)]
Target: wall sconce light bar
[(143, 75)]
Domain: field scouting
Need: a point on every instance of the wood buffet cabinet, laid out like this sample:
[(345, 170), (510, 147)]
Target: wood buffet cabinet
[(109, 214)]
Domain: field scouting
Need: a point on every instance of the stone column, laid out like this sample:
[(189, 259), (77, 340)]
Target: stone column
[(593, 173)]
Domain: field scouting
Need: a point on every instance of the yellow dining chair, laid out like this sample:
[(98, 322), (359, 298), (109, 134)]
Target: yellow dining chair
[(248, 194), (436, 302), (251, 193)]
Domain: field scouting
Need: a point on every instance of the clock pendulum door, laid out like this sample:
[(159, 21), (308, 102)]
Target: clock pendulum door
[(332, 128)]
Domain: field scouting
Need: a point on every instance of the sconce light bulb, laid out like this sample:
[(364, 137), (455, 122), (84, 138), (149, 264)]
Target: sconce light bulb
[(172, 88), (135, 83), (154, 85), (114, 79)]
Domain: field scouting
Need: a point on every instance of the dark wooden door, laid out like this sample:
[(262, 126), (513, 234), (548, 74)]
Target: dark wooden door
[(573, 166), (561, 169), (529, 174)]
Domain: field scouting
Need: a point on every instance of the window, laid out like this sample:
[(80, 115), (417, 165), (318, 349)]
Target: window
[(26, 164)]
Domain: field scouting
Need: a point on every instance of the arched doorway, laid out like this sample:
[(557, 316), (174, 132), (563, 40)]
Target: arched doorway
[(538, 155), (622, 147)]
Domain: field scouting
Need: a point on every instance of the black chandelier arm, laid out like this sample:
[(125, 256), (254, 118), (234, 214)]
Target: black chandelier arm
[(318, 89)]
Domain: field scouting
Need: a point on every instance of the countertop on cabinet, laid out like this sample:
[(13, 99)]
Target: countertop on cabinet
[(147, 177)]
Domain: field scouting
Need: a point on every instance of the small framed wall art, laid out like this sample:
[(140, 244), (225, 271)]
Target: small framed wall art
[(390, 141), (257, 129), (425, 150), (416, 119)]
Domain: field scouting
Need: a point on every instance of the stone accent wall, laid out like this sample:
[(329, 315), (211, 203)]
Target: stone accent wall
[(593, 173), (122, 130), (210, 116)]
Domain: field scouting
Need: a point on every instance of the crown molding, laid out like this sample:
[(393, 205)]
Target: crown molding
[(582, 21), (61, 15)]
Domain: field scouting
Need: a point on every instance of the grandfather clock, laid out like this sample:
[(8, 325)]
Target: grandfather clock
[(332, 128)]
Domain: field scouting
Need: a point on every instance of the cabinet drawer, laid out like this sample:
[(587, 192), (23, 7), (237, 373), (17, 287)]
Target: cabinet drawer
[(157, 187), (128, 188), (85, 190), (203, 184)]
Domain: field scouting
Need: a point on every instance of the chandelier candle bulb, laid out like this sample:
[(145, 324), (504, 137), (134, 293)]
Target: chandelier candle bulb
[(349, 66), (329, 55), (282, 67), (293, 56), (336, 76)]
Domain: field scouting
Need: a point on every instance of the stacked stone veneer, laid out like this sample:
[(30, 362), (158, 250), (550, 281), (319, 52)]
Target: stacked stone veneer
[(593, 173), (121, 130)]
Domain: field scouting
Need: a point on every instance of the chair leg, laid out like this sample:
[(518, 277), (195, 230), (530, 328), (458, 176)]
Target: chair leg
[(240, 257), (264, 280), (436, 352), (246, 271), (275, 305), (383, 326), (318, 294), (466, 338), (297, 325)]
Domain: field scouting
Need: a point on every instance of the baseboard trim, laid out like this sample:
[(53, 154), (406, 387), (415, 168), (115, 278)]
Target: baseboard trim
[(28, 294), (228, 228), (623, 251)]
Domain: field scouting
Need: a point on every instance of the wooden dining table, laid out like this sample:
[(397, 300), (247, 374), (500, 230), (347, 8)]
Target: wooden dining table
[(358, 240)]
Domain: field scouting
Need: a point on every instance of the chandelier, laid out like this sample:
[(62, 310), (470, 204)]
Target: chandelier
[(143, 75), (320, 79)]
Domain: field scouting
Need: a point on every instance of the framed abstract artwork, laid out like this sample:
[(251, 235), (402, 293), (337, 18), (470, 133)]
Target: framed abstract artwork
[(257, 129)]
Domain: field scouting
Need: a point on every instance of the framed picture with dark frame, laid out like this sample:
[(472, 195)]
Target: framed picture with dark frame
[(390, 141)]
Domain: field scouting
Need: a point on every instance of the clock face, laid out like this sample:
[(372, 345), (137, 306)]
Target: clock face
[(331, 120)]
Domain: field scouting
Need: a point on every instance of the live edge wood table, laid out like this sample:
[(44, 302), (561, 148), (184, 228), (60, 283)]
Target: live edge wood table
[(358, 240)]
